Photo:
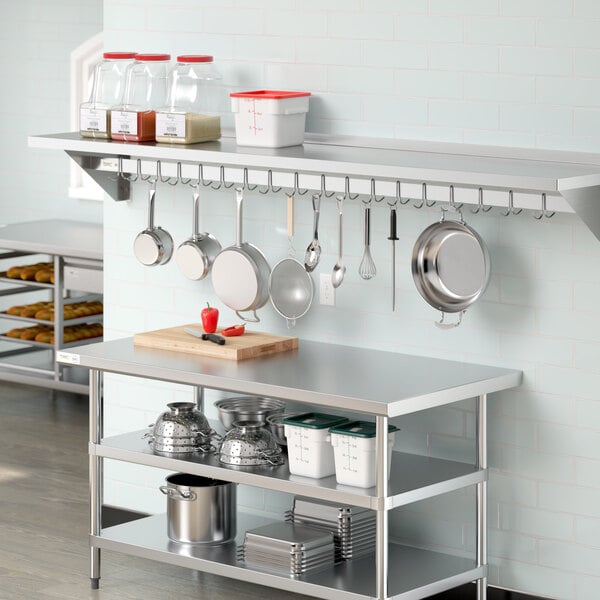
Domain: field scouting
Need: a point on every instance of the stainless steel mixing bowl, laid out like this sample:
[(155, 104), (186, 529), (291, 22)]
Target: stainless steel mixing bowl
[(247, 408)]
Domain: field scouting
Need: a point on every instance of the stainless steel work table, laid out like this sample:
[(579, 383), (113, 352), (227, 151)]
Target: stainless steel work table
[(373, 383)]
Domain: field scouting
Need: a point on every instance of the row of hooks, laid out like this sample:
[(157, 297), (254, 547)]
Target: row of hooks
[(424, 201)]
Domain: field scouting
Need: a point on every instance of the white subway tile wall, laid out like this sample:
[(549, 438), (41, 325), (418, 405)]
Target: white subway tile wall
[(500, 72), (37, 38)]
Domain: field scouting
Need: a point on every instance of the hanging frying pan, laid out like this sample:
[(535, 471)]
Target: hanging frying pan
[(154, 245), (450, 267), (240, 273), (196, 255)]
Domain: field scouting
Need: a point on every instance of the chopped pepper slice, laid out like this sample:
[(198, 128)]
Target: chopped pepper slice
[(233, 331)]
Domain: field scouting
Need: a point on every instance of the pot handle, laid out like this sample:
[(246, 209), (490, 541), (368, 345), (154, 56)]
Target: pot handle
[(272, 460), (441, 325), (176, 494), (248, 320)]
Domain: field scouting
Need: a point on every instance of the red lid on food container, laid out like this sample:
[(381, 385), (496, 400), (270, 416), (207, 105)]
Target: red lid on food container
[(269, 94), (193, 58), (152, 57), (120, 55)]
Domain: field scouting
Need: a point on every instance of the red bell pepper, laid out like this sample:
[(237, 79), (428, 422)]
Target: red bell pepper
[(233, 331), (210, 318)]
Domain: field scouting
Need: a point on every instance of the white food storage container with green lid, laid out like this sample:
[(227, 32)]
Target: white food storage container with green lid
[(354, 448), (310, 453)]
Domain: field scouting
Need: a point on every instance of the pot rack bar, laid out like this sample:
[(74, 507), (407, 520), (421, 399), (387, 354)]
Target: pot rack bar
[(415, 173)]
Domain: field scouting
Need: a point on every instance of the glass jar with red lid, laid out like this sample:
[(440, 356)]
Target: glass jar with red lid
[(134, 120), (191, 113), (108, 82)]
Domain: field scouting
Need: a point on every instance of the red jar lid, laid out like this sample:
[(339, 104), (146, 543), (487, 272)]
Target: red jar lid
[(152, 57), (120, 55), (194, 58)]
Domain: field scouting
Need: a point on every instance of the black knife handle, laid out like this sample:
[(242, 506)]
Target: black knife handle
[(393, 222), (213, 337)]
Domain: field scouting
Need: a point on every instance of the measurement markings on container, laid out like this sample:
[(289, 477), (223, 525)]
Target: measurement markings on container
[(68, 358), (252, 110)]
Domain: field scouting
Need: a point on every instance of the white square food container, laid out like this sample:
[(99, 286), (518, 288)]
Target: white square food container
[(354, 446), (269, 118), (310, 453)]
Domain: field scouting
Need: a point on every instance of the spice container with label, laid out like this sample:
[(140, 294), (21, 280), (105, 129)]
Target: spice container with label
[(108, 82), (134, 120), (190, 115)]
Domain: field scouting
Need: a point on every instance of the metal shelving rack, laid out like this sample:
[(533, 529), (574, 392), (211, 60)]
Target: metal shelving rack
[(64, 242), (327, 376)]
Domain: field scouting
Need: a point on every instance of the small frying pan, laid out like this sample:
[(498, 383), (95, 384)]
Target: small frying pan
[(154, 245), (450, 267), (196, 255), (240, 273)]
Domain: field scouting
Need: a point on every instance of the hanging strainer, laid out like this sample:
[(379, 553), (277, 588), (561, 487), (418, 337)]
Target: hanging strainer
[(290, 286)]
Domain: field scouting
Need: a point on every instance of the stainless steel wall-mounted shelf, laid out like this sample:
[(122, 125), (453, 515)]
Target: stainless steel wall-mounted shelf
[(565, 181)]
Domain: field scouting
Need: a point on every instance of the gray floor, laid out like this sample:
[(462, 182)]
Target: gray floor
[(43, 515)]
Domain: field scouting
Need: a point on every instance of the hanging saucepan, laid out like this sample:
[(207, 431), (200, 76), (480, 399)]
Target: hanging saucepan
[(450, 266), (240, 273), (290, 285), (196, 255), (154, 245)]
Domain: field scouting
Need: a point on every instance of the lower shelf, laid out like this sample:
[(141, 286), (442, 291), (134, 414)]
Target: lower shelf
[(37, 368), (413, 573)]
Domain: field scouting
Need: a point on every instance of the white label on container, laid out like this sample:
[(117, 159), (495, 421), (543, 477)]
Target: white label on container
[(92, 119), (122, 121), (67, 358), (170, 125)]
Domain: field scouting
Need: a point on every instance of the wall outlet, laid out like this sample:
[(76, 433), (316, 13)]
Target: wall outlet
[(326, 291)]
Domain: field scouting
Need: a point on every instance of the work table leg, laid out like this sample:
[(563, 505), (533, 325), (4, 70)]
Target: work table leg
[(482, 554), (96, 480), (381, 483)]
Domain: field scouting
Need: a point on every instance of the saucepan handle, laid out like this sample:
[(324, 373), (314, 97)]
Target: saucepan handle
[(256, 318), (441, 325), (176, 494)]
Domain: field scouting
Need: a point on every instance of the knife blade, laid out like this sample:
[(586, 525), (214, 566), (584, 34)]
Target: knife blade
[(211, 337)]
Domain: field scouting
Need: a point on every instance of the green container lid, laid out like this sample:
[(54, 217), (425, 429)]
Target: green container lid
[(363, 429), (314, 420)]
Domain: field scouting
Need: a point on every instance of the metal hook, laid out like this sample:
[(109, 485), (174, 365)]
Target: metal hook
[(545, 212), (452, 204), (398, 198), (347, 194), (297, 189), (270, 187), (324, 191), (222, 180), (373, 196), (245, 184), (423, 197), (120, 173), (200, 178), (150, 178), (480, 206), (138, 174), (428, 203), (179, 178), (511, 206)]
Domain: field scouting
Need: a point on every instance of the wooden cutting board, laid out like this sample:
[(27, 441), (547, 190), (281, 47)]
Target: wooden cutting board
[(250, 345)]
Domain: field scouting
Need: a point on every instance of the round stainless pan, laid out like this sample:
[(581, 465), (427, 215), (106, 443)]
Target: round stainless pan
[(240, 273), (154, 245), (197, 254), (450, 266)]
